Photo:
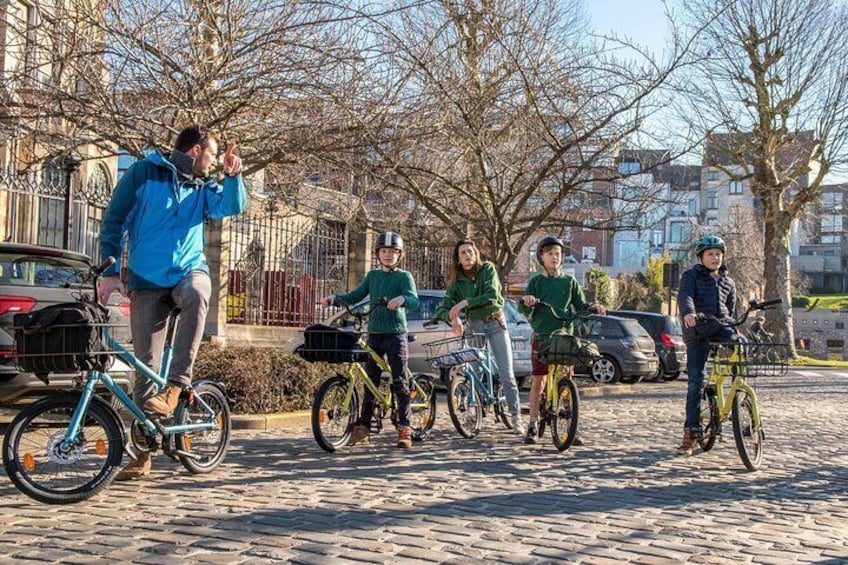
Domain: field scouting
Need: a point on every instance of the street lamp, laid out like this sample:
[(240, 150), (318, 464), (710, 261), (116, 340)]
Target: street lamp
[(71, 164)]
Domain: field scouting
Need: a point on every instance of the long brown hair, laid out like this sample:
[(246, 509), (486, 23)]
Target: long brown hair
[(456, 268)]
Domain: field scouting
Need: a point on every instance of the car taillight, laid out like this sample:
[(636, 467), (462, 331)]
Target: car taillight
[(16, 304), (7, 351), (666, 339), (630, 344), (124, 307)]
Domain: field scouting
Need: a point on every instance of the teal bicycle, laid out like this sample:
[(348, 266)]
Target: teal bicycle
[(67, 448)]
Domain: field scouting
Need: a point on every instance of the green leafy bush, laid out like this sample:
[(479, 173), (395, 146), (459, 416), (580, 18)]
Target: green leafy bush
[(800, 301), (261, 380)]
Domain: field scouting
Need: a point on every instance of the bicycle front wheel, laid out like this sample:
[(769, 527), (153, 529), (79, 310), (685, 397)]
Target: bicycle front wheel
[(203, 450), (466, 412), (332, 418), (566, 410), (709, 419), (749, 437), (43, 467), (422, 399)]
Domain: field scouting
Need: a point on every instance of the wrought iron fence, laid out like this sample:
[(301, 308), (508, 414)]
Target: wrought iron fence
[(33, 205), (280, 267), (429, 263)]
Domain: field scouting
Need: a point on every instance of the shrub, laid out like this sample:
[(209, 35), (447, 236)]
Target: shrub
[(800, 301), (261, 380)]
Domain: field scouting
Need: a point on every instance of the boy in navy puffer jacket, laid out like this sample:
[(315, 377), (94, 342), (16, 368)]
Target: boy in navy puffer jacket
[(705, 288)]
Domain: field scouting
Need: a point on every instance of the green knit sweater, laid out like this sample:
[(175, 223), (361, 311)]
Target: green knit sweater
[(382, 286), (483, 293), (562, 292)]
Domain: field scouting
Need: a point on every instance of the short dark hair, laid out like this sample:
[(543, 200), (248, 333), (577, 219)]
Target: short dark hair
[(195, 134)]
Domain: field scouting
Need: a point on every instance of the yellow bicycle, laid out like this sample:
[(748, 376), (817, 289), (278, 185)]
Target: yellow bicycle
[(336, 406), (727, 393)]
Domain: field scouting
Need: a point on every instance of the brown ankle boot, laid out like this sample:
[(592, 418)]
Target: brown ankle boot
[(689, 442), (404, 437), (360, 435), (165, 402), (137, 468)]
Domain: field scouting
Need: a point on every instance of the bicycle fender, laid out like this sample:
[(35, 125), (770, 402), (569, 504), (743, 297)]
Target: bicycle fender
[(220, 386)]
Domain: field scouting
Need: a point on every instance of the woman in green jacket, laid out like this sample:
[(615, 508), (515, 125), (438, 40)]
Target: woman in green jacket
[(474, 286)]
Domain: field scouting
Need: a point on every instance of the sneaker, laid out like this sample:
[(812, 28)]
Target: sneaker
[(360, 435), (137, 468), (404, 437), (532, 432), (518, 425), (165, 402)]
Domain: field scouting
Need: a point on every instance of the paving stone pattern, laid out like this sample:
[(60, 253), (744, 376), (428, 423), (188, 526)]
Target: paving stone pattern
[(627, 496)]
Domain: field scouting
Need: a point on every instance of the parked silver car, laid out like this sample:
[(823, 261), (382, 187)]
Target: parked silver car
[(32, 277), (519, 331)]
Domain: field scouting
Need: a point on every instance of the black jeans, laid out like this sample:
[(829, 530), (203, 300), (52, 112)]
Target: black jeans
[(395, 349)]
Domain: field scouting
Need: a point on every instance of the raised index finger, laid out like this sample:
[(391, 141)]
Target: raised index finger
[(231, 147)]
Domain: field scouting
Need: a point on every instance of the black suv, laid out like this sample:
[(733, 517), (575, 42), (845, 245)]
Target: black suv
[(668, 340), (32, 277)]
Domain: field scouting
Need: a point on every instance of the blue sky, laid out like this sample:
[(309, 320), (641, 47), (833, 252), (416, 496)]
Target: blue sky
[(644, 21)]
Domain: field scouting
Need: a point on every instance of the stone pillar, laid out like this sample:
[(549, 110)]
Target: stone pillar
[(360, 250), (218, 257)]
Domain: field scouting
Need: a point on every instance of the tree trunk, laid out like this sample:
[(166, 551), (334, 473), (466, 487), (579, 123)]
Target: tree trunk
[(779, 320)]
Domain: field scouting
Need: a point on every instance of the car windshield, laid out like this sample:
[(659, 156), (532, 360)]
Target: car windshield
[(634, 328), (31, 270), (673, 325)]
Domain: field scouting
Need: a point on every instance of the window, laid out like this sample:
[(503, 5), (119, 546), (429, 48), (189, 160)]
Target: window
[(692, 206), (831, 201), (840, 325), (30, 38), (735, 187), (831, 238), (678, 232), (712, 175), (629, 167), (831, 223), (712, 200)]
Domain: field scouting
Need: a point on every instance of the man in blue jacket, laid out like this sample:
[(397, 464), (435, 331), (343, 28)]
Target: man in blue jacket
[(161, 204)]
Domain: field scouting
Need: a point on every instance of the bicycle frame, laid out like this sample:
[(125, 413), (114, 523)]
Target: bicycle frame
[(150, 427), (721, 369)]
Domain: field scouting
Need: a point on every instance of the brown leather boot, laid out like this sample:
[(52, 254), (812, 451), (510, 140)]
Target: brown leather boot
[(165, 402), (360, 435), (137, 468), (689, 442), (404, 437)]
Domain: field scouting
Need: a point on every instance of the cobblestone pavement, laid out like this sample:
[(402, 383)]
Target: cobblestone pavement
[(625, 497)]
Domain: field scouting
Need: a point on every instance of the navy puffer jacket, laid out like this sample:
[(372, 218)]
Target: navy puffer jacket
[(700, 292)]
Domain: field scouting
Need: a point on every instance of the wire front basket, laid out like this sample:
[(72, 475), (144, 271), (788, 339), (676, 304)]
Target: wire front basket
[(752, 359), (455, 351), (327, 344)]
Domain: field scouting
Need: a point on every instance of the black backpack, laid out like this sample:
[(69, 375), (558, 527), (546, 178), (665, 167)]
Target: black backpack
[(64, 338)]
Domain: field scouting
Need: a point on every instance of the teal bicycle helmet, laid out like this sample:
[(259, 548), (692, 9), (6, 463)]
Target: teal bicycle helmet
[(710, 242)]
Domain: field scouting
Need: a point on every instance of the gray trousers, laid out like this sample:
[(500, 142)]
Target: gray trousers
[(500, 346), (148, 322)]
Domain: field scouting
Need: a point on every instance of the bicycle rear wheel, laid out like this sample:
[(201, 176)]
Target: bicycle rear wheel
[(41, 468), (466, 412), (332, 420), (566, 411), (422, 399), (204, 449), (749, 438), (709, 419)]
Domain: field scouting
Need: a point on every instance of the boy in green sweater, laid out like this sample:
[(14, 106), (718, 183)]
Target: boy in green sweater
[(392, 290), (561, 291)]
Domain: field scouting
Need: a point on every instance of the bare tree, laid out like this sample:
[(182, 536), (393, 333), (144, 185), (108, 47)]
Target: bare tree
[(129, 75), (771, 75), (501, 117)]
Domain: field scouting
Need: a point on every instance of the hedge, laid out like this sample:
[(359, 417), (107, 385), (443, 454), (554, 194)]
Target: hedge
[(261, 380)]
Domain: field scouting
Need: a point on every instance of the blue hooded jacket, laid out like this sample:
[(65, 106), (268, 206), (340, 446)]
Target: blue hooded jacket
[(164, 215), (699, 291)]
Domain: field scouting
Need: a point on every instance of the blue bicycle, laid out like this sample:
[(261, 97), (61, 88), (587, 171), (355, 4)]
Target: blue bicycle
[(67, 448), (474, 385)]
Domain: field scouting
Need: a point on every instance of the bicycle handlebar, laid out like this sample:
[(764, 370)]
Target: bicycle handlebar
[(577, 314), (752, 306)]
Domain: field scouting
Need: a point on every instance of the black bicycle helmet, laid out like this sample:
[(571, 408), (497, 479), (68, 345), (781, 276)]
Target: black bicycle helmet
[(544, 242), (389, 239), (710, 242)]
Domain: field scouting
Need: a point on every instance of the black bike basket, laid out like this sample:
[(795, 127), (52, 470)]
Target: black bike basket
[(562, 348), (64, 338), (331, 345)]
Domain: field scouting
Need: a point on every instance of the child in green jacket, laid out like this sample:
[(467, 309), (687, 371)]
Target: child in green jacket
[(392, 290)]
